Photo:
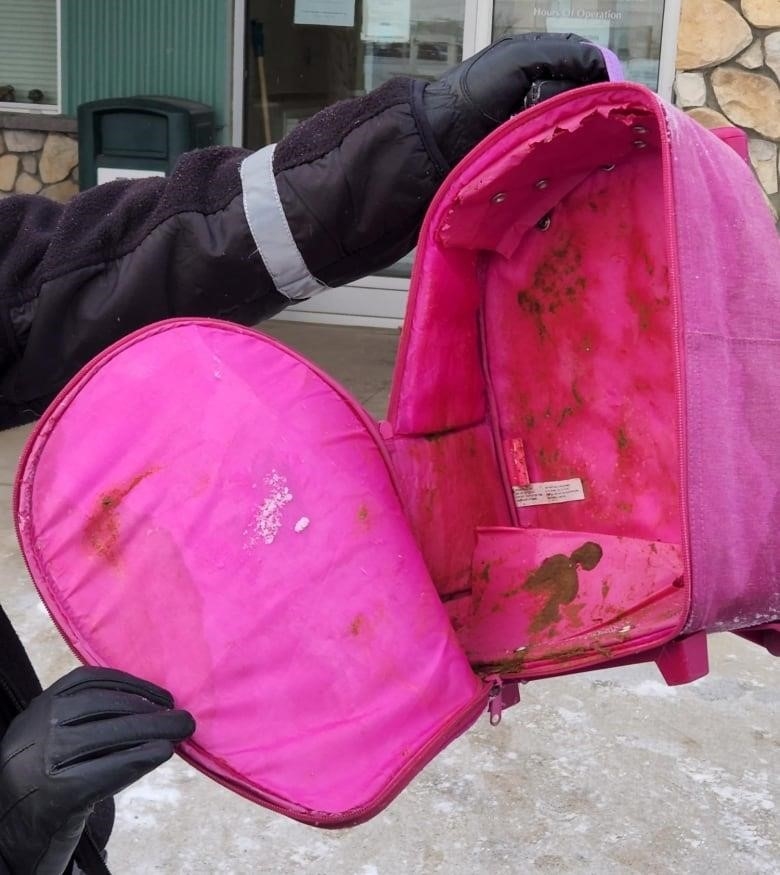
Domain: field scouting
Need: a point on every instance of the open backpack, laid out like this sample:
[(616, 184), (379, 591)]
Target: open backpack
[(580, 468)]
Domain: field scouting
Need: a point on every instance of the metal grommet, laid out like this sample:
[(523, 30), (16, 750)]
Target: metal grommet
[(607, 167), (544, 223), (639, 129), (498, 198), (541, 183), (640, 144)]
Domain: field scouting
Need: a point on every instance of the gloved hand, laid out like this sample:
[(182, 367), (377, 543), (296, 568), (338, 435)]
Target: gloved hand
[(472, 99), (88, 736), (354, 181)]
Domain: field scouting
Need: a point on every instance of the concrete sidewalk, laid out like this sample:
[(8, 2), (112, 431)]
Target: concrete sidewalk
[(607, 772)]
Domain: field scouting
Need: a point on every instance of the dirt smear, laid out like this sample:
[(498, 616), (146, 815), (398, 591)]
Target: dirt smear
[(102, 529), (557, 579)]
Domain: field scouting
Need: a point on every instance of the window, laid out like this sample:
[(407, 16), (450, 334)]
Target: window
[(29, 55), (294, 70), (299, 60), (633, 29)]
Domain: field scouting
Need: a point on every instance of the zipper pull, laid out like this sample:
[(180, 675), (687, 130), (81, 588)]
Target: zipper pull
[(495, 703)]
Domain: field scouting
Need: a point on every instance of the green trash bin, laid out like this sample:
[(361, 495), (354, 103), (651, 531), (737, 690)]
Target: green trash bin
[(130, 137)]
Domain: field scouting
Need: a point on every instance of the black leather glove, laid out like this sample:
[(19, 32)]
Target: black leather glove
[(472, 99), (86, 737)]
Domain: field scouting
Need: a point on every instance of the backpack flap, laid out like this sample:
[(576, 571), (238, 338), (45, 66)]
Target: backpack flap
[(203, 508)]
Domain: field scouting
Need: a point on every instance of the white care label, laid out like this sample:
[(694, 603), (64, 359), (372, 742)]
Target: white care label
[(551, 492)]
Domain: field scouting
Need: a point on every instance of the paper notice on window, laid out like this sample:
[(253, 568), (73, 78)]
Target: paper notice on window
[(336, 13), (586, 23), (386, 21)]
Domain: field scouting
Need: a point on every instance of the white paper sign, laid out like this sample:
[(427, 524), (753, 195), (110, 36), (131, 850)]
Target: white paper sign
[(336, 13), (387, 21)]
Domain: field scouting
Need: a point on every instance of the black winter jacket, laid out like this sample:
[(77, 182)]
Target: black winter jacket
[(18, 682), (230, 234)]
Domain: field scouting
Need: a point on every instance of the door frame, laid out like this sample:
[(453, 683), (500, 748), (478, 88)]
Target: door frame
[(378, 301), (239, 72)]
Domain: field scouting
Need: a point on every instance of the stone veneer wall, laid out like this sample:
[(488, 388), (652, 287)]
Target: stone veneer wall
[(728, 62), (38, 162)]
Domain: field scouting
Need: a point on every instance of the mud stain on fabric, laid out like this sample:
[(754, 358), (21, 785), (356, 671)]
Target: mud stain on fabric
[(357, 626), (103, 527), (557, 580)]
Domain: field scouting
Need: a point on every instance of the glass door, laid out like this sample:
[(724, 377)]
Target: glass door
[(303, 55)]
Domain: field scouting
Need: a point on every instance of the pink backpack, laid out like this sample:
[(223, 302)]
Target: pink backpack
[(580, 468)]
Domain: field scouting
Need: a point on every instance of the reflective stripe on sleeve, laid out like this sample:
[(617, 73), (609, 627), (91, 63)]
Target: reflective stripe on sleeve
[(271, 231)]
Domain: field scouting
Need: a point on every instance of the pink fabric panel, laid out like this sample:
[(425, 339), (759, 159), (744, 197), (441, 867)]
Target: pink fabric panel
[(204, 509), (546, 601), (729, 274), (530, 175), (736, 138), (437, 383), (450, 483), (580, 347)]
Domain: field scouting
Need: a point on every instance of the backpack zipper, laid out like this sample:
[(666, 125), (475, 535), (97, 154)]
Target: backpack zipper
[(679, 353)]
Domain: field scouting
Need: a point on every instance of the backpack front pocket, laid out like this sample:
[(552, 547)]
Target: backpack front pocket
[(544, 601)]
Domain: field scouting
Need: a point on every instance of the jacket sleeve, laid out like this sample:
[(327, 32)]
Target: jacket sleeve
[(231, 234), (74, 278)]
